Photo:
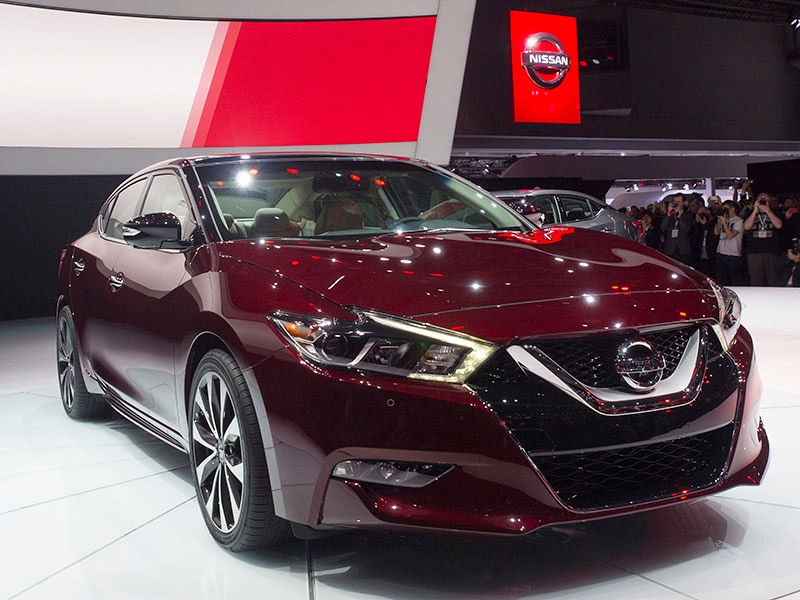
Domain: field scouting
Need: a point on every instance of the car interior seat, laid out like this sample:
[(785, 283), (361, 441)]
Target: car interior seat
[(576, 214), (297, 202), (338, 214), (273, 222), (237, 229)]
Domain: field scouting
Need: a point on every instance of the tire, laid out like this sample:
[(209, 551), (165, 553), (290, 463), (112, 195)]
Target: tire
[(229, 467), (78, 403)]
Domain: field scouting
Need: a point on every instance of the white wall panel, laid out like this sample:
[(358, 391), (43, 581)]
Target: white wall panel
[(98, 86), (92, 81)]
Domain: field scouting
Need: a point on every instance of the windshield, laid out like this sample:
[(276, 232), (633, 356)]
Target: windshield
[(344, 197)]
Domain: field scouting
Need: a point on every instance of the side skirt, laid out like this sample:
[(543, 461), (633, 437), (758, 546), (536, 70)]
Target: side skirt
[(155, 428)]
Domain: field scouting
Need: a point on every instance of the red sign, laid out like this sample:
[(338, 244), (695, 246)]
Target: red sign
[(544, 63)]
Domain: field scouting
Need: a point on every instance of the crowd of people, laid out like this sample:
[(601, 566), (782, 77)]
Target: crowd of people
[(751, 239)]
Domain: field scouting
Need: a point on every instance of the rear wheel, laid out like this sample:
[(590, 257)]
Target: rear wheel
[(229, 465), (78, 403)]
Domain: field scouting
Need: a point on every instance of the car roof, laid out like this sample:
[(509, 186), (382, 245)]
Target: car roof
[(538, 191), (184, 161)]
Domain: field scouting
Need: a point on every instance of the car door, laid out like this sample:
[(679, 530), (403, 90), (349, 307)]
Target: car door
[(92, 264), (582, 212), (153, 308)]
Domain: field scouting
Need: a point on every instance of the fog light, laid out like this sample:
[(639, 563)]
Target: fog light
[(403, 474)]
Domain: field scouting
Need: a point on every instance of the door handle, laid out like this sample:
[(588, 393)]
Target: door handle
[(78, 266), (116, 281)]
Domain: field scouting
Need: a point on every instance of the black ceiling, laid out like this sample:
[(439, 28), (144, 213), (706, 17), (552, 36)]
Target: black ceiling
[(764, 11)]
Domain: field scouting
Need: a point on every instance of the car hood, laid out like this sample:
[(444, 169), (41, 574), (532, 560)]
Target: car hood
[(494, 285)]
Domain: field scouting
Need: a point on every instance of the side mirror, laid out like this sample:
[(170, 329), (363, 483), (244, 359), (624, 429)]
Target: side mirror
[(155, 230)]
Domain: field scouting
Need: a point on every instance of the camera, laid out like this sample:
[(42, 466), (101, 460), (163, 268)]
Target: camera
[(762, 202), (796, 245)]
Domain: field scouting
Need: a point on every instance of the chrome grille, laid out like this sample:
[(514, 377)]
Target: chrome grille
[(590, 360)]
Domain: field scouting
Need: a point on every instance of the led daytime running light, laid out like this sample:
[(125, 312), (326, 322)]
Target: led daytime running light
[(384, 344), (480, 351)]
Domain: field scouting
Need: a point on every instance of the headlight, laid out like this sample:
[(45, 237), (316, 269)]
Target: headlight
[(384, 344), (730, 311)]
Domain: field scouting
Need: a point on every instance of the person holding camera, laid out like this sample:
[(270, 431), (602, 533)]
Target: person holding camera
[(742, 191), (651, 232), (730, 228), (704, 240), (793, 254), (790, 273), (677, 229), (763, 243)]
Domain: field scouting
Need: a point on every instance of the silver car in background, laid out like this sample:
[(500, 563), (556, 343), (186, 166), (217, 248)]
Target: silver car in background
[(572, 208)]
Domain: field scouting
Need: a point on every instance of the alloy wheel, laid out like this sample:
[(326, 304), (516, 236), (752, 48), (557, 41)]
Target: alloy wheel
[(66, 363), (218, 457)]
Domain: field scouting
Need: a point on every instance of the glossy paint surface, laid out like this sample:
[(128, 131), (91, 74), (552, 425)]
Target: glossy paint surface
[(487, 283), (144, 318)]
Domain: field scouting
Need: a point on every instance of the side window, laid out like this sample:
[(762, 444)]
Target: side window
[(166, 195), (547, 206), (123, 209), (576, 208)]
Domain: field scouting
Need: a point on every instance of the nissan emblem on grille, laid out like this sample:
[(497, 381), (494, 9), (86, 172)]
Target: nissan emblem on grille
[(639, 364)]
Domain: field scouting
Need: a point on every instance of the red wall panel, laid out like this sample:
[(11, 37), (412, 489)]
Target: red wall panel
[(311, 83)]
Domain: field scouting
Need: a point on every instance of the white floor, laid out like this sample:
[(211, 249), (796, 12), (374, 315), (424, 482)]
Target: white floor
[(100, 510)]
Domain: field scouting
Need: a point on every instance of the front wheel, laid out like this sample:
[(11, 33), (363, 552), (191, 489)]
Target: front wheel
[(78, 403), (228, 463)]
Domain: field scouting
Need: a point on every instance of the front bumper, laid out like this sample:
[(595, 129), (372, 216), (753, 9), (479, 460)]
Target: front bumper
[(524, 455)]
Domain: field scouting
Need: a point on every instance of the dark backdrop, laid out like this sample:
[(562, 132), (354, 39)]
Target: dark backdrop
[(780, 177), (680, 77), (42, 215)]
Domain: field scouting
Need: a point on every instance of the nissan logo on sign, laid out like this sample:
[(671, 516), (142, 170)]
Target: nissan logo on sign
[(545, 60)]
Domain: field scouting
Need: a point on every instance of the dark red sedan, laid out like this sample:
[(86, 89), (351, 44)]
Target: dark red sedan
[(357, 341)]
